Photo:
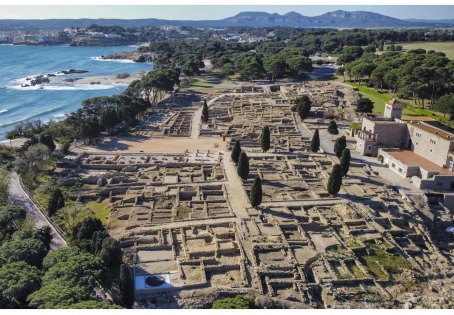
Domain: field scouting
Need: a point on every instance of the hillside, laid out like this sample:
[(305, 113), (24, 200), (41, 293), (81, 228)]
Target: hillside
[(335, 19)]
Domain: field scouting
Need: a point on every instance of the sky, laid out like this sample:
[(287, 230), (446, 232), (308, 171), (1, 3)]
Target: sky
[(179, 10)]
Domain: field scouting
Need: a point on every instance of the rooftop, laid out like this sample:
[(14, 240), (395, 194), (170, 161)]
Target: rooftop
[(434, 130), (410, 158), (395, 102)]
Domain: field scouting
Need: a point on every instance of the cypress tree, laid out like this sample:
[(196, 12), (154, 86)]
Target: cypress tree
[(236, 151), (126, 286), (305, 110), (340, 145), (265, 139), (256, 192), (315, 142), (205, 112), (56, 202), (335, 180), (345, 161), (243, 166), (332, 128)]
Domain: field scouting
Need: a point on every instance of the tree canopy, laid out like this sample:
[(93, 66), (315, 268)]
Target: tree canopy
[(18, 280), (332, 128), (243, 166), (364, 105), (335, 180), (445, 104), (238, 302), (265, 139), (339, 146), (236, 151), (315, 142), (345, 161), (256, 192)]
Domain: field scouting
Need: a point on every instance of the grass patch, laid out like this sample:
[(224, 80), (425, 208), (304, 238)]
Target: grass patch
[(345, 276), (182, 213), (355, 126), (357, 272), (354, 242), (379, 100), (371, 92), (379, 104), (100, 210), (200, 83), (392, 263), (445, 47)]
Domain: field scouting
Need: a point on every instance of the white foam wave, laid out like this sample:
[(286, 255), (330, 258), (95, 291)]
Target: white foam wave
[(66, 87), (59, 116), (3, 111), (113, 60)]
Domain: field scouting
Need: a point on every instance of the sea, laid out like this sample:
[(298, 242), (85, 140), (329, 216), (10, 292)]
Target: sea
[(17, 63)]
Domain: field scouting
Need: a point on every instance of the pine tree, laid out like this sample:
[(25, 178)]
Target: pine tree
[(335, 180), (243, 166), (48, 141), (265, 139), (236, 151), (315, 142), (340, 145), (256, 192), (345, 161), (126, 286), (332, 128), (303, 106), (205, 112)]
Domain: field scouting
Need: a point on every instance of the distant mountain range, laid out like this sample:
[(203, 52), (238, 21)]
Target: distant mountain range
[(336, 19)]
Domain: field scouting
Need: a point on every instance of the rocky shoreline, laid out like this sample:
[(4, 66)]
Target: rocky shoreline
[(130, 55), (45, 78)]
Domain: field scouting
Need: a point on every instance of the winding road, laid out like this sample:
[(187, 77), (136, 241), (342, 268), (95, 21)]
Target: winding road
[(20, 198)]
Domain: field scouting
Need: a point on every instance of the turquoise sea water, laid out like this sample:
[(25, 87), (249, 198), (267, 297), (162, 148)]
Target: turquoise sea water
[(53, 101)]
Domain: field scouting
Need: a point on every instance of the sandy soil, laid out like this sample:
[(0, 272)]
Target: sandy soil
[(14, 143), (158, 145)]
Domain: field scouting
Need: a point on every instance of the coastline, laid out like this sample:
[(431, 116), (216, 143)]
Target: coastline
[(112, 79)]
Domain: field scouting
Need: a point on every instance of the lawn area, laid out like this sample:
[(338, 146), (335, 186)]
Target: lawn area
[(100, 210), (379, 100), (208, 82), (379, 104), (445, 47)]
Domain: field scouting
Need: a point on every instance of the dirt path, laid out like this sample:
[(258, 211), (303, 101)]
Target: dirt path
[(234, 186), (197, 118), (20, 198)]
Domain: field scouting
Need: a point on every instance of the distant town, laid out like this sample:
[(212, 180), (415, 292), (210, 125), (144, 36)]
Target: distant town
[(117, 36)]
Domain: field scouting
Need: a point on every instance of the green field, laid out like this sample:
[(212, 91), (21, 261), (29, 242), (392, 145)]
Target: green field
[(446, 47)]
